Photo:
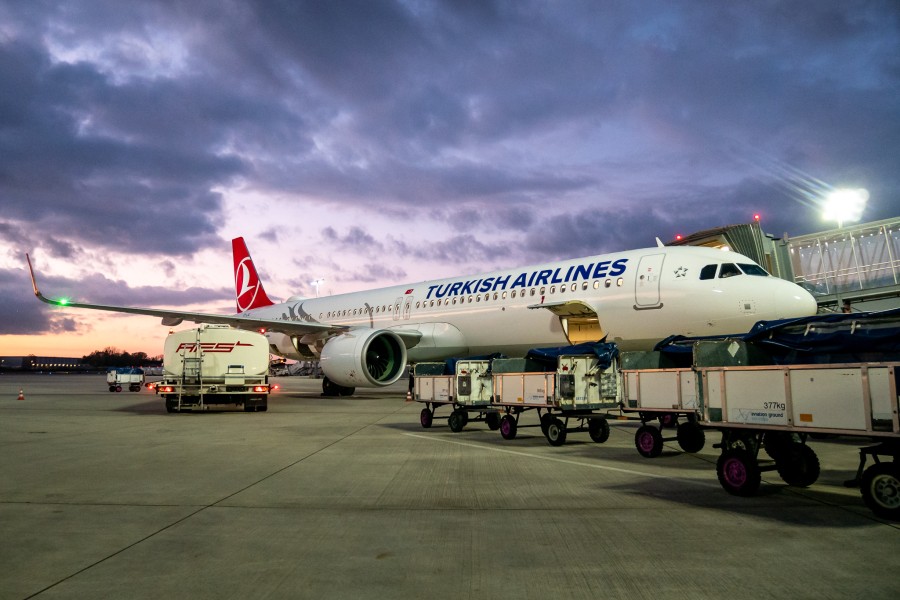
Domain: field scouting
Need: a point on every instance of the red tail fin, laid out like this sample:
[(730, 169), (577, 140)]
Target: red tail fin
[(248, 289)]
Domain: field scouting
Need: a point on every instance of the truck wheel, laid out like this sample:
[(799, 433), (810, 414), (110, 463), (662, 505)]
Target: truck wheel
[(426, 418), (598, 430), (648, 441), (738, 472), (690, 437), (171, 406), (456, 421), (880, 486), (508, 427), (263, 405), (798, 465), (556, 432)]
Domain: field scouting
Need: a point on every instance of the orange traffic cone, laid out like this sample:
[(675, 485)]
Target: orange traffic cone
[(21, 395)]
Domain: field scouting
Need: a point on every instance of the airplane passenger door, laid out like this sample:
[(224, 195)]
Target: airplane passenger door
[(407, 306), (398, 306), (646, 283)]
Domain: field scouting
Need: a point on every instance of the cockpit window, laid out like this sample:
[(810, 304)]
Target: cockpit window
[(728, 270), (753, 270), (708, 272)]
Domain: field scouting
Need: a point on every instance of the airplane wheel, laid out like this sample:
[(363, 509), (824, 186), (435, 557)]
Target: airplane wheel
[(556, 432), (598, 430), (508, 427), (493, 421), (880, 486), (456, 421), (798, 465), (426, 418), (648, 441), (738, 472), (690, 437)]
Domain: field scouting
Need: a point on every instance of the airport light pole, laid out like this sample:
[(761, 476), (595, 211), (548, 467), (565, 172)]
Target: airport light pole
[(317, 283)]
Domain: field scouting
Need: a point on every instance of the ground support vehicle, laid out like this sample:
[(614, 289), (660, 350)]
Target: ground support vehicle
[(581, 389), (465, 386), (215, 365), (776, 408), (118, 378), (668, 397)]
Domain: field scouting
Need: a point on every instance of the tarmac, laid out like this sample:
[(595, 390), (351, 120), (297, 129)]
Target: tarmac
[(105, 495)]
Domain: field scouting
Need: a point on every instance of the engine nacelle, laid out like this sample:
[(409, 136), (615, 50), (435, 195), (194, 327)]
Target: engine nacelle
[(364, 357)]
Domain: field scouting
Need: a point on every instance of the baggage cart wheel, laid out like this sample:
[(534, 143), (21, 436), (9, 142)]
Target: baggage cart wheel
[(426, 417), (880, 487), (456, 421), (545, 421), (738, 472), (598, 429), (508, 427), (777, 442), (118, 388), (797, 465), (493, 420), (668, 420), (112, 388), (556, 432), (648, 441), (690, 437)]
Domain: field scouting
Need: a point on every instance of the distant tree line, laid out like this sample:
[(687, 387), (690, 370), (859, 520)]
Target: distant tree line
[(113, 357)]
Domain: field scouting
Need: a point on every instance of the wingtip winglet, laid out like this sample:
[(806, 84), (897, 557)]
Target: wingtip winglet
[(37, 292)]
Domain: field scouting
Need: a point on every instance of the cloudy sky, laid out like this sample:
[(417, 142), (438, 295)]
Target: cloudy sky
[(376, 142)]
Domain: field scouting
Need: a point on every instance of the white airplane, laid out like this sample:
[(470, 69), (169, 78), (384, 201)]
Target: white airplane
[(634, 298)]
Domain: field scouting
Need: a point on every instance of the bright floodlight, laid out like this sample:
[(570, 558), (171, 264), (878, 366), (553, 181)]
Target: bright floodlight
[(845, 205)]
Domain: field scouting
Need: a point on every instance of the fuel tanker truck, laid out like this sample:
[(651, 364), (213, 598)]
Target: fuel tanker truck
[(215, 364)]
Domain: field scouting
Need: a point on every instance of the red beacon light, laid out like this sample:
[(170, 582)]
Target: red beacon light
[(678, 237), (756, 217)]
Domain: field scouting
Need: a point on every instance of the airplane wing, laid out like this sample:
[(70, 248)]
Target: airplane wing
[(175, 317)]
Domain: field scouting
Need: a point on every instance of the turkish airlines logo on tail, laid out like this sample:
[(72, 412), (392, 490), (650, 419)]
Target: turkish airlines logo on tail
[(246, 284)]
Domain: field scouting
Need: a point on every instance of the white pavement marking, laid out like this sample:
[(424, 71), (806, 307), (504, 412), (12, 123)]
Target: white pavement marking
[(559, 460)]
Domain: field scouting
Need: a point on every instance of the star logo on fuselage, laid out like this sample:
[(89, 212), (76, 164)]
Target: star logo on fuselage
[(681, 272)]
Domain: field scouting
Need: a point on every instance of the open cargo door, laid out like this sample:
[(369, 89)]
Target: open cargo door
[(579, 320)]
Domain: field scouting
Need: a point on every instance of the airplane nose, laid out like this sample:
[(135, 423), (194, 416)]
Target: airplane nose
[(796, 302)]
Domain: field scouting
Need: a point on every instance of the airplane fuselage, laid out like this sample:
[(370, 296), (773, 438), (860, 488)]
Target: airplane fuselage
[(635, 298)]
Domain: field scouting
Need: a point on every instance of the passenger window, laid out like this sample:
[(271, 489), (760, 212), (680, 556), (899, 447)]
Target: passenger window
[(552, 289), (533, 291), (728, 270), (708, 272), (620, 282), (562, 289), (543, 291), (597, 285), (608, 282), (574, 287), (584, 286), (504, 295)]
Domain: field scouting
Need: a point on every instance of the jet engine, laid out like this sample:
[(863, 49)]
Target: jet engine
[(364, 357)]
